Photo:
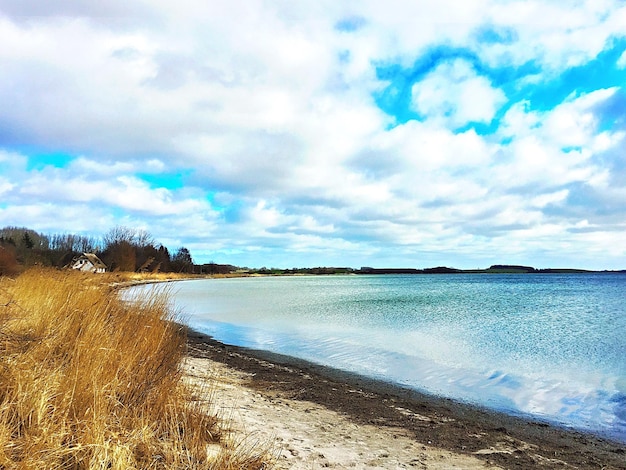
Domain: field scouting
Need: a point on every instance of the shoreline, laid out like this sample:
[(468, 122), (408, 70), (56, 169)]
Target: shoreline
[(457, 429)]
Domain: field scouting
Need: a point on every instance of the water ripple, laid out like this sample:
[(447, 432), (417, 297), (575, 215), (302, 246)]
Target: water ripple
[(547, 345)]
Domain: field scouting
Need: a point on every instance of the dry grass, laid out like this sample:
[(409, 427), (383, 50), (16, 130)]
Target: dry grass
[(89, 382)]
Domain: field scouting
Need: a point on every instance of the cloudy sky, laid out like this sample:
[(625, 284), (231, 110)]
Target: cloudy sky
[(405, 133)]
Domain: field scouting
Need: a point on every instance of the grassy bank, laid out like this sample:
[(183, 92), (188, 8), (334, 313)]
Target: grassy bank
[(89, 382)]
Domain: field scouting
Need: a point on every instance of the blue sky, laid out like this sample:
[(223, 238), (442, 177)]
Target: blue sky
[(290, 134)]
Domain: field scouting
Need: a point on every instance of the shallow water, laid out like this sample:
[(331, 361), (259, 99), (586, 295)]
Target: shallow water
[(551, 346)]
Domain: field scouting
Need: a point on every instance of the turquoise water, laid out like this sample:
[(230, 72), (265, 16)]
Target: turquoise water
[(551, 346)]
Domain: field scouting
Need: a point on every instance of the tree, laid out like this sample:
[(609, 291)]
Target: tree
[(182, 261), (121, 248), (30, 247), (8, 262), (163, 260), (125, 248), (149, 258), (143, 238), (120, 256), (27, 241), (119, 234), (76, 243)]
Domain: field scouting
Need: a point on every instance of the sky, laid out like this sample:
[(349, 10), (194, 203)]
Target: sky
[(320, 132)]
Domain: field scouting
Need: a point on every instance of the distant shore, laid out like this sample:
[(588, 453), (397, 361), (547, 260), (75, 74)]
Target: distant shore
[(491, 438), (233, 271)]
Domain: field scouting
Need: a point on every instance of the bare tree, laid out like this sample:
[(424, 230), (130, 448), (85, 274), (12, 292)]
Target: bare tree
[(119, 234), (143, 238)]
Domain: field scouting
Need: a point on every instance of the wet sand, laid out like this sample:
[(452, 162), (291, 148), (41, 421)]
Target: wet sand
[(319, 417)]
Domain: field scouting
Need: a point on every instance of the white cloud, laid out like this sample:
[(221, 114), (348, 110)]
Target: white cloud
[(556, 147), (90, 166), (5, 186), (455, 94), (519, 120), (270, 112), (12, 161), (621, 62), (553, 34), (573, 123), (544, 200)]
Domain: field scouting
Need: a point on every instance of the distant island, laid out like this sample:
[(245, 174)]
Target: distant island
[(494, 269)]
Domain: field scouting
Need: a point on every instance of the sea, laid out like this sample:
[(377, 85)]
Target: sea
[(550, 347)]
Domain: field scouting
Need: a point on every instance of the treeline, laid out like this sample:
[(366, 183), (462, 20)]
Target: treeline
[(493, 269), (121, 249), (294, 271)]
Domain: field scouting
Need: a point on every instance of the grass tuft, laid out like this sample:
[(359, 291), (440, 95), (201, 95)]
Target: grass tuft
[(88, 381)]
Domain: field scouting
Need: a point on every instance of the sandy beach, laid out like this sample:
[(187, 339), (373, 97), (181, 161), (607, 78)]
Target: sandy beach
[(316, 417)]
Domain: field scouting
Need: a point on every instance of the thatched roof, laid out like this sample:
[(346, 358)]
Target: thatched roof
[(96, 263)]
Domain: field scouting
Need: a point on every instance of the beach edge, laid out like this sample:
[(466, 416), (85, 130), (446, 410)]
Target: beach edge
[(432, 420)]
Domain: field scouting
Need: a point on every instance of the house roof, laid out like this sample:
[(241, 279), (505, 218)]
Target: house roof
[(94, 260)]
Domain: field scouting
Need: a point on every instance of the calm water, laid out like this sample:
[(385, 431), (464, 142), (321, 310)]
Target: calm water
[(552, 346)]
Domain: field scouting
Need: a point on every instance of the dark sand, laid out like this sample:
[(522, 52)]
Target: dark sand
[(495, 439)]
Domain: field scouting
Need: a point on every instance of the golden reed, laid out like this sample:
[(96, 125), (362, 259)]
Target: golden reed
[(88, 381)]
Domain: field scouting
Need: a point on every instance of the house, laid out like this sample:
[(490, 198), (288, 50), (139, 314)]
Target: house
[(90, 263)]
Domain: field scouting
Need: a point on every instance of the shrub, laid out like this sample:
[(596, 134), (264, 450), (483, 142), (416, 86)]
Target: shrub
[(8, 263)]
